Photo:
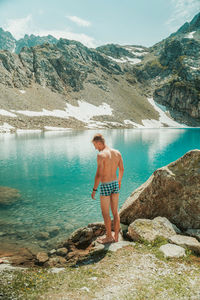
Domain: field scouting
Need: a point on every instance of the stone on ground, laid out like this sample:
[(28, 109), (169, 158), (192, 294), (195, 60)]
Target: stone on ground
[(171, 250), (186, 242)]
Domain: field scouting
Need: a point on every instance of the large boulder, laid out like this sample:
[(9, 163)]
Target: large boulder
[(172, 191)]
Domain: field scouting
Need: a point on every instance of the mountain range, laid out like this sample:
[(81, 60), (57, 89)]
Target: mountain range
[(47, 83)]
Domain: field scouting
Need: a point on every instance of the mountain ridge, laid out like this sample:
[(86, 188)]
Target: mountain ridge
[(123, 77)]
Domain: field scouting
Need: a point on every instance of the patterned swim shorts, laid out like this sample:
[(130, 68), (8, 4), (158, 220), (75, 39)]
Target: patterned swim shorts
[(108, 188)]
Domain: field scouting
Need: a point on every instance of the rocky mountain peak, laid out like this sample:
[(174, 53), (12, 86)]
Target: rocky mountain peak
[(189, 26), (7, 41)]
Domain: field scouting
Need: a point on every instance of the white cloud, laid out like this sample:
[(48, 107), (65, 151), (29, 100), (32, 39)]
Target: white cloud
[(183, 11), (79, 21), (19, 27)]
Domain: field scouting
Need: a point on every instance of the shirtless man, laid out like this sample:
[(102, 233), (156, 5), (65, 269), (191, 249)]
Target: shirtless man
[(108, 161)]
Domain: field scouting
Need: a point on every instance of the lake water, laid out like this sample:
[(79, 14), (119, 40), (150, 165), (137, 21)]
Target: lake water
[(54, 173)]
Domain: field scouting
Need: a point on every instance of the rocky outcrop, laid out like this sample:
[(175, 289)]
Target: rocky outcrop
[(181, 96), (60, 66), (7, 41), (32, 40), (172, 192)]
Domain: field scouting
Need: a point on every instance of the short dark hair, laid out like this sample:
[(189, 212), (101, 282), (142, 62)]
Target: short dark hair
[(98, 138)]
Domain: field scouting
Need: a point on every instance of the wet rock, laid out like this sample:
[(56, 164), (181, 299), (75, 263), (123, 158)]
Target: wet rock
[(149, 230), (8, 195), (52, 252), (172, 192), (82, 237), (42, 257), (186, 242), (170, 250), (61, 251), (23, 257)]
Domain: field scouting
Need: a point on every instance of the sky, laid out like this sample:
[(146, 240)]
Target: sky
[(98, 22)]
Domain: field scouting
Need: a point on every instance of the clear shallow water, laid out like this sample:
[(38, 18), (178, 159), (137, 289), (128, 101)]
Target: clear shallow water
[(54, 173)]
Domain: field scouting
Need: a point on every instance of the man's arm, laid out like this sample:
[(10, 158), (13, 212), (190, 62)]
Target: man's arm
[(121, 170), (99, 172)]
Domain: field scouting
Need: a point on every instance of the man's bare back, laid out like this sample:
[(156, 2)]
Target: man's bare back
[(110, 159)]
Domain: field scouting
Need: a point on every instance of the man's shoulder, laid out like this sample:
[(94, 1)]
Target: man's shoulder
[(116, 151)]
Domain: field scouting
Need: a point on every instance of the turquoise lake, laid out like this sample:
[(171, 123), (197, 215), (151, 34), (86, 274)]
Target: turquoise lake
[(54, 173)]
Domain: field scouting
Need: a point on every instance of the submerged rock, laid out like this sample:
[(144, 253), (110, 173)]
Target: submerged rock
[(43, 235), (149, 230), (8, 195), (172, 191), (53, 230)]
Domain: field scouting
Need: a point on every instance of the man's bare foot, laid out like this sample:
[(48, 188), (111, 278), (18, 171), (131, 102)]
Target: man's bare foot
[(116, 236), (105, 240)]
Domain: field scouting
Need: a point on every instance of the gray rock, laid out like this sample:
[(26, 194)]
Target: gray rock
[(42, 257), (149, 230), (172, 192), (56, 270), (186, 242), (52, 252), (170, 250), (115, 246), (194, 232), (110, 246)]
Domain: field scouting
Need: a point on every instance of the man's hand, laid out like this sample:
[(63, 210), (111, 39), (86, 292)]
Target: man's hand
[(93, 194)]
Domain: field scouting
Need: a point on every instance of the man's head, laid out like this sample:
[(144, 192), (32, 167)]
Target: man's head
[(98, 142)]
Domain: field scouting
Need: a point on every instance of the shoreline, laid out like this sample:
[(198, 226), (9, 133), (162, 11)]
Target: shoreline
[(67, 129)]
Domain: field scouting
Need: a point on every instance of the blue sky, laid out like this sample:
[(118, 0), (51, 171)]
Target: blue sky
[(98, 22)]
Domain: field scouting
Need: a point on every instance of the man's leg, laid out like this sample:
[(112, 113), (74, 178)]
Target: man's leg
[(105, 205), (114, 207)]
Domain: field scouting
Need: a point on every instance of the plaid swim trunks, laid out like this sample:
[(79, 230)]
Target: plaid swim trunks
[(108, 188)]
